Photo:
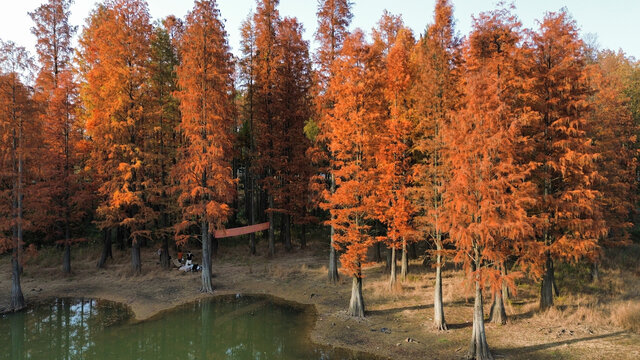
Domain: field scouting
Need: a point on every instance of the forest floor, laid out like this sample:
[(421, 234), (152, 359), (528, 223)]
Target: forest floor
[(590, 321)]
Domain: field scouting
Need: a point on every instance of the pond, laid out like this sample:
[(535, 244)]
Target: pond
[(227, 327)]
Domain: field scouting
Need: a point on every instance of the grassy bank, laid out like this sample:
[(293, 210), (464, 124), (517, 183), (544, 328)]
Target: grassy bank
[(591, 320)]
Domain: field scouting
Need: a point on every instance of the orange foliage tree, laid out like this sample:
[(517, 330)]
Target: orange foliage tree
[(293, 168), (488, 196), (18, 139), (114, 60), (569, 213), (162, 139), (203, 171), (267, 107), (615, 136), (352, 125), (334, 17), (435, 94), (390, 202), (67, 194)]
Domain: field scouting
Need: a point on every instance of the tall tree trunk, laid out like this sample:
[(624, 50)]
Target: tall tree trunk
[(303, 236), (479, 349), (546, 289), (498, 314), (377, 255), (356, 305), (286, 219), (404, 268), (333, 258), (272, 245), (17, 299), (438, 307), (252, 216), (207, 287), (136, 264), (388, 261), (506, 292), (106, 249), (392, 277)]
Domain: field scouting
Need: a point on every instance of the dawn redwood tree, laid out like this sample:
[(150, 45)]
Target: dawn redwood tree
[(162, 139), (17, 135), (203, 171), (68, 199), (267, 107), (615, 136), (247, 78), (334, 17), (293, 168), (354, 121), (390, 200), (488, 196), (570, 217), (114, 61), (436, 96)]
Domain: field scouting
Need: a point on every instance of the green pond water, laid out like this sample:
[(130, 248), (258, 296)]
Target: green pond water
[(220, 328)]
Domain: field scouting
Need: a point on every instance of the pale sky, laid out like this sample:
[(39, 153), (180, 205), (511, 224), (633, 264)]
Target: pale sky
[(614, 21)]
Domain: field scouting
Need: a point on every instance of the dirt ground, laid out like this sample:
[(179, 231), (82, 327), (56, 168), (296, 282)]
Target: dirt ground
[(583, 326)]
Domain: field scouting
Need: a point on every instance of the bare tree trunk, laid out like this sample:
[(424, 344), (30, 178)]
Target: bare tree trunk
[(136, 264), (207, 287), (404, 268), (17, 299), (392, 277), (438, 308), (106, 249), (498, 314), (272, 245), (479, 349), (388, 261), (333, 259), (356, 305), (546, 289), (252, 216)]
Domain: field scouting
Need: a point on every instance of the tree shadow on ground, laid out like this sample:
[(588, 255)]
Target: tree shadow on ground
[(539, 347), (459, 326), (399, 309)]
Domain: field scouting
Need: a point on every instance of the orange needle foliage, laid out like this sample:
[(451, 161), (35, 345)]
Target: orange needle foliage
[(488, 196), (334, 17), (115, 51), (67, 194), (435, 95), (354, 120), (203, 171), (389, 202), (569, 213), (18, 147)]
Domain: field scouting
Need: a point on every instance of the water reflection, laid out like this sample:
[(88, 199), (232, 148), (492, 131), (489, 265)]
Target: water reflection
[(223, 328)]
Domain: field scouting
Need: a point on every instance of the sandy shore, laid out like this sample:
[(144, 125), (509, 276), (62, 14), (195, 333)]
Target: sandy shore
[(300, 276)]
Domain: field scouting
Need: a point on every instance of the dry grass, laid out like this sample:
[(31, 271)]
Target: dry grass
[(627, 315)]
